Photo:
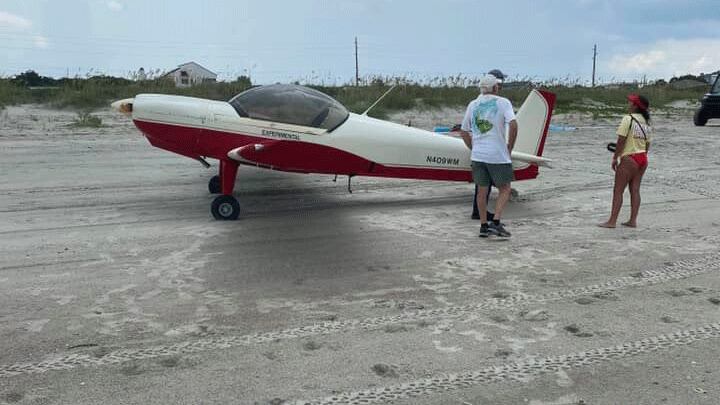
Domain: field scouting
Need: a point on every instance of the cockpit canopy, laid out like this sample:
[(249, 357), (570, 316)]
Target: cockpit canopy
[(290, 104)]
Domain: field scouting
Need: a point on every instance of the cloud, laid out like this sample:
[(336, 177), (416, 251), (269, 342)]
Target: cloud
[(14, 22), (40, 41), (670, 57), (115, 5), (17, 23)]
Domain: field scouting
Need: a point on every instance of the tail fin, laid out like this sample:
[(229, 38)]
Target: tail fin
[(533, 121)]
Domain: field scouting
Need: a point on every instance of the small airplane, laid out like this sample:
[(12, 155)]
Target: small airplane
[(298, 129)]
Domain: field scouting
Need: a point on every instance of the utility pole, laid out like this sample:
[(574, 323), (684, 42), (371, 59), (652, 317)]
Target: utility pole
[(357, 69), (594, 60)]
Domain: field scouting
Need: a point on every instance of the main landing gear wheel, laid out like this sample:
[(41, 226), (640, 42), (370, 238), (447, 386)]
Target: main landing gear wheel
[(225, 207), (215, 185)]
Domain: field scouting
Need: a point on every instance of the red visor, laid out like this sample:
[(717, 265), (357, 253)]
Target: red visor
[(635, 99)]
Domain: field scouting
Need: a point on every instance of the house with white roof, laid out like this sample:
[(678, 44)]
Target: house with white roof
[(190, 74)]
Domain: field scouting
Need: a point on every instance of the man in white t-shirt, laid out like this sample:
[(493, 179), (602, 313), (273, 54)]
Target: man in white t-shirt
[(475, 213), (483, 130)]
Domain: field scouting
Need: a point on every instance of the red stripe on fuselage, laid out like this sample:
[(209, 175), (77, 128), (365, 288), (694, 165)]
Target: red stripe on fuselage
[(292, 156)]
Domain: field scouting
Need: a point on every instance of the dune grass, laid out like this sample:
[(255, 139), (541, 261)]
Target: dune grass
[(86, 120), (97, 92)]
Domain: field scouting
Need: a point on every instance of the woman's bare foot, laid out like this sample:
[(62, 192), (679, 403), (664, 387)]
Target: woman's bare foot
[(630, 224), (606, 225)]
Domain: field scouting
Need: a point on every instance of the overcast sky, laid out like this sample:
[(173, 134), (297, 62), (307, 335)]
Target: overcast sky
[(281, 41)]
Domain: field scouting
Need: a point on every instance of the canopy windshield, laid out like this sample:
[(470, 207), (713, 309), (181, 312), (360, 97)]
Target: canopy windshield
[(290, 104)]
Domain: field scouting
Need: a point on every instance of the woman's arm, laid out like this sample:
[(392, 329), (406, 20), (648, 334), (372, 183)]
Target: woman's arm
[(618, 151)]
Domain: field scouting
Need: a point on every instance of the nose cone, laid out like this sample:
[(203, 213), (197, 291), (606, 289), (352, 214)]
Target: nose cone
[(124, 106)]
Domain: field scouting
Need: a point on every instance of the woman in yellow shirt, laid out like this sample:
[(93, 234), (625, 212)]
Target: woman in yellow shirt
[(633, 144)]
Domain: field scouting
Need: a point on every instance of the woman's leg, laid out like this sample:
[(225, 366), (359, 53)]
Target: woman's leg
[(623, 174), (635, 197)]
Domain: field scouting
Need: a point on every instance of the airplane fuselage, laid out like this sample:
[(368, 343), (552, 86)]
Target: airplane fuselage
[(359, 146), (297, 129)]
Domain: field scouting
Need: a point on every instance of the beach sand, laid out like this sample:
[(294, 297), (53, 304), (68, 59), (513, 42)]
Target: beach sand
[(118, 287)]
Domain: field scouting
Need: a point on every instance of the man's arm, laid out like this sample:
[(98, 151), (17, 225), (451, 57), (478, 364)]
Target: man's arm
[(512, 134), (467, 138), (466, 126)]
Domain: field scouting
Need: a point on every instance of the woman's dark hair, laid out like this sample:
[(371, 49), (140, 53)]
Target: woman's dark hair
[(644, 112)]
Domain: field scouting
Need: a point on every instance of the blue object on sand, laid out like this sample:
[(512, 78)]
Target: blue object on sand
[(441, 129), (560, 128)]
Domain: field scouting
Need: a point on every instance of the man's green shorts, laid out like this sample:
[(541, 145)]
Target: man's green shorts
[(497, 174)]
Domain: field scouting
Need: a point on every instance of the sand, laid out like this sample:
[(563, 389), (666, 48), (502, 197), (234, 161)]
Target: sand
[(118, 287)]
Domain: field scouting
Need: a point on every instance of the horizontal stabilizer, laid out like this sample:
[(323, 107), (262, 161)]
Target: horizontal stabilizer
[(532, 159)]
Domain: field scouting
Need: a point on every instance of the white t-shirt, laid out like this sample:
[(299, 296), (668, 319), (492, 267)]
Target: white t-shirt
[(486, 117)]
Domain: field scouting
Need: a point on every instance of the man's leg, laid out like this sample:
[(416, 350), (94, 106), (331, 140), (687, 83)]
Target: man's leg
[(482, 203), (502, 176), (490, 215), (476, 213), (503, 198), (481, 175)]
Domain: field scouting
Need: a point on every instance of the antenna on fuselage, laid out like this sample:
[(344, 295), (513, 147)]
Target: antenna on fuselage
[(378, 100)]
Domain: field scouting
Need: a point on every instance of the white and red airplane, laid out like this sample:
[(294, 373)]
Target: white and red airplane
[(297, 129)]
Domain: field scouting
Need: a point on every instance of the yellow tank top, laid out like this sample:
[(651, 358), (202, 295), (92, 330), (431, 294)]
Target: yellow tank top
[(636, 133)]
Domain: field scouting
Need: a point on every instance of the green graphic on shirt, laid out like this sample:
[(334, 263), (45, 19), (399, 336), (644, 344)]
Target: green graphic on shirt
[(483, 112), (483, 126)]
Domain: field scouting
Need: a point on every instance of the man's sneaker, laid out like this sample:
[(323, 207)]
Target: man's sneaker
[(485, 231), (499, 230)]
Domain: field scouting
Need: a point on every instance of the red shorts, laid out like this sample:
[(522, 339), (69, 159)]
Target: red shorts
[(640, 158)]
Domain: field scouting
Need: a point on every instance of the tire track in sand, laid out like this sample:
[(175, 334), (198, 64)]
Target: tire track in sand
[(674, 271), (520, 371)]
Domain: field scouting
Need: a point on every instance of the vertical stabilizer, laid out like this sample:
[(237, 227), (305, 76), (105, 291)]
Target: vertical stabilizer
[(533, 120)]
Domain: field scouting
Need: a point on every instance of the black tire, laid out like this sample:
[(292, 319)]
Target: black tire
[(700, 119), (215, 185), (225, 208)]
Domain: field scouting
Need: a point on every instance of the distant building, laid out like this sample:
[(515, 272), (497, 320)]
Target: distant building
[(190, 74)]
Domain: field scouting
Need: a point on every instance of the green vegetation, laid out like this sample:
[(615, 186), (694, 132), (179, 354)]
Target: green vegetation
[(84, 94), (99, 91), (87, 120)]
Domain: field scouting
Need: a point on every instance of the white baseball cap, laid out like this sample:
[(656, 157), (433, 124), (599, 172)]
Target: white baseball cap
[(488, 81)]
